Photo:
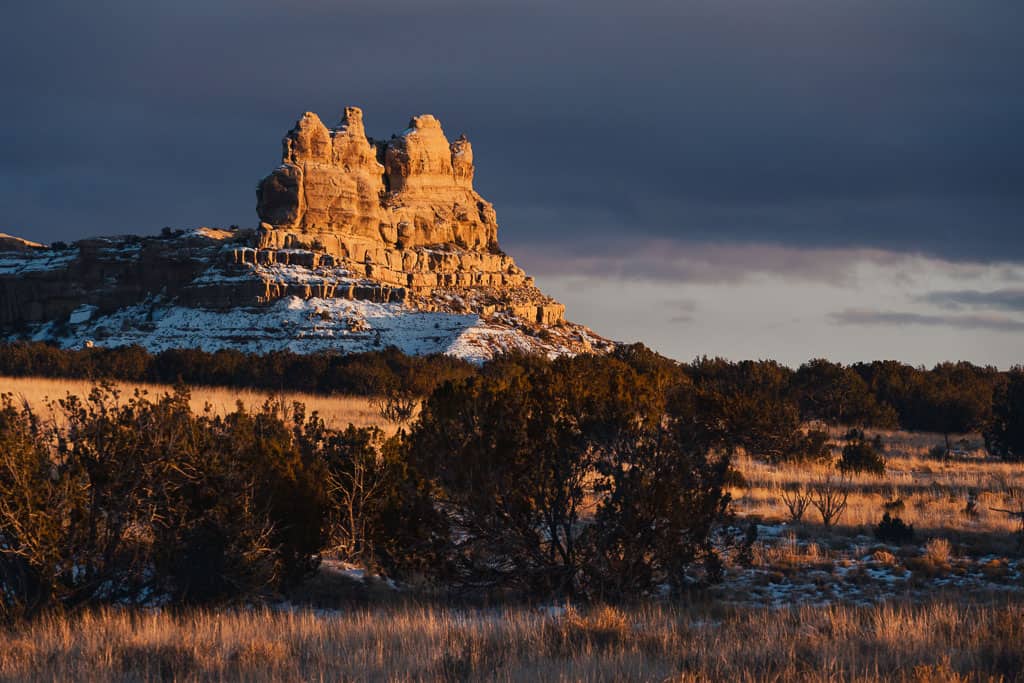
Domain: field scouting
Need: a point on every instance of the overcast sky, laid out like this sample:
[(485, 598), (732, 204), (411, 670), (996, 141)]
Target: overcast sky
[(748, 178)]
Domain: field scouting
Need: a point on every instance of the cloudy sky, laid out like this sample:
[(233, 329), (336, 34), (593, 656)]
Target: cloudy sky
[(748, 178)]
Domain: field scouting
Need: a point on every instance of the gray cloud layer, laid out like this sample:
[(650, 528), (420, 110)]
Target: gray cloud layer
[(798, 122), (967, 322), (662, 260), (1001, 299)]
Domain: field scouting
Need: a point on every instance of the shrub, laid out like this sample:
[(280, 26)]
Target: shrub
[(121, 498), (860, 455), (797, 499), (894, 530), (884, 557), (735, 479), (513, 454), (815, 445), (829, 497), (396, 406), (938, 551)]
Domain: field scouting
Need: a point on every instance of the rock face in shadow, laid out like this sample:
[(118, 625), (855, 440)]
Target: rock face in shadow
[(394, 227)]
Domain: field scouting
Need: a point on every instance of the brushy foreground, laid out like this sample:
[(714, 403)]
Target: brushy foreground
[(938, 641)]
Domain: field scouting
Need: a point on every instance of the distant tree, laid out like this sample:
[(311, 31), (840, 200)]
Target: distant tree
[(1004, 433), (751, 404), (835, 394), (956, 398)]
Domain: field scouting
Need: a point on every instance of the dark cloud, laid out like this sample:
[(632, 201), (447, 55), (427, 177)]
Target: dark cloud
[(860, 317), (1000, 299), (798, 122)]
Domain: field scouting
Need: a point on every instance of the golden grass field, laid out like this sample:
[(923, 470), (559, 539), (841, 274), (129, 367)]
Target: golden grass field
[(921, 643), (337, 411), (934, 493)]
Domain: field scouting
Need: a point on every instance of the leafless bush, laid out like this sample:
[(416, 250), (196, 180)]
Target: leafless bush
[(797, 498), (355, 483), (829, 497), (397, 407)]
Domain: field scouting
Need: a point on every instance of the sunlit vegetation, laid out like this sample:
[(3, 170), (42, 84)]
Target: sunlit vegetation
[(622, 517), (932, 642)]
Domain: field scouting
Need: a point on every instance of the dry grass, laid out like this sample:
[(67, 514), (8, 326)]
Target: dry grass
[(931, 494), (337, 411), (939, 641)]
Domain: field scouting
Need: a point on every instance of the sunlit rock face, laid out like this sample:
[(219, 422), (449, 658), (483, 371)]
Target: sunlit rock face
[(414, 190), (402, 212), (362, 244)]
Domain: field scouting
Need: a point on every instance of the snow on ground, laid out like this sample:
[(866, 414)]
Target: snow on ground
[(863, 572), (292, 323)]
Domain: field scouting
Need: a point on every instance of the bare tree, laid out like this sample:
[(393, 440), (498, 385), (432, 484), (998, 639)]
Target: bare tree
[(355, 484), (797, 499), (829, 497)]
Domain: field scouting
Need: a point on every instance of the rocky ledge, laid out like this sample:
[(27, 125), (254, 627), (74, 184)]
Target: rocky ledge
[(362, 244)]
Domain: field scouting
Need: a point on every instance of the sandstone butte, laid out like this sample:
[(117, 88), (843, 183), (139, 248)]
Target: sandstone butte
[(361, 244)]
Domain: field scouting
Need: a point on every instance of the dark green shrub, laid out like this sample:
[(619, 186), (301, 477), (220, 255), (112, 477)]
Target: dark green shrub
[(860, 455), (512, 453), (894, 530)]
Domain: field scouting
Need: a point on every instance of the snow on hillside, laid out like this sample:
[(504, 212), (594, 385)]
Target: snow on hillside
[(299, 325)]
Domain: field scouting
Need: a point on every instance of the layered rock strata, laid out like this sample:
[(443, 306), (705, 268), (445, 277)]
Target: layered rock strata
[(401, 212), (394, 227)]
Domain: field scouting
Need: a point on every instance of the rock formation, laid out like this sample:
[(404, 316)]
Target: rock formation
[(402, 213), (339, 191), (345, 218)]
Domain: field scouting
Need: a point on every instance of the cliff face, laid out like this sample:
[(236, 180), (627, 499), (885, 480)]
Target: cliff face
[(338, 190), (402, 213), (362, 244)]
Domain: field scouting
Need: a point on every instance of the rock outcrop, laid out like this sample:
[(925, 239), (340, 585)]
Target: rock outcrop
[(340, 191), (401, 212), (361, 243), (11, 243)]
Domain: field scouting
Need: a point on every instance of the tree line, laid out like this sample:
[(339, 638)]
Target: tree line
[(949, 398), (365, 374)]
